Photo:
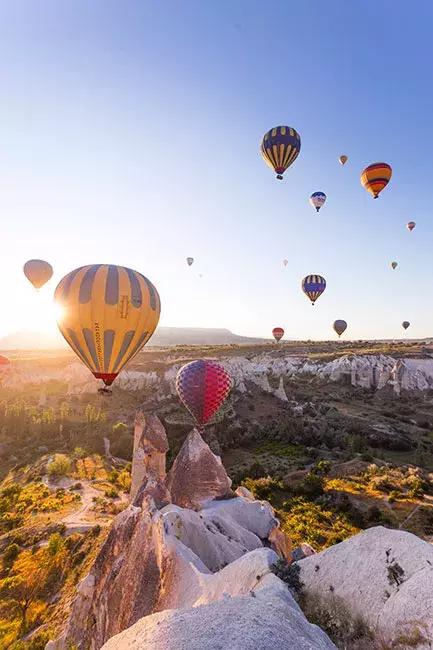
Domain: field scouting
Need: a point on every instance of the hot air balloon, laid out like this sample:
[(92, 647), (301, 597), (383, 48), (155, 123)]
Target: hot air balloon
[(280, 147), (405, 324), (394, 265), (38, 272), (375, 177), (317, 200), (4, 363), (108, 314), (202, 387), (189, 260), (278, 333), (313, 286), (410, 225), (343, 159), (339, 326), (285, 262)]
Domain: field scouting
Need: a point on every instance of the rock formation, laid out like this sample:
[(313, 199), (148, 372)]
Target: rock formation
[(150, 448), (159, 557), (265, 618), (383, 576), (197, 475)]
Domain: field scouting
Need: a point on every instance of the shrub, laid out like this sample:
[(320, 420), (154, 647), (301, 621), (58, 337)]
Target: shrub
[(59, 466), (111, 493), (289, 573), (312, 486)]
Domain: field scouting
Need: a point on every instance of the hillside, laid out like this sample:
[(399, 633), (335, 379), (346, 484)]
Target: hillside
[(337, 436), (163, 336)]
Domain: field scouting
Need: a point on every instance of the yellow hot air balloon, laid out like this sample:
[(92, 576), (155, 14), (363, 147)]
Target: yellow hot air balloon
[(343, 159), (108, 314), (38, 272), (375, 177)]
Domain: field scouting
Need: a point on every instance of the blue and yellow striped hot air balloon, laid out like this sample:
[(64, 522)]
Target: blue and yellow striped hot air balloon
[(313, 286), (108, 314), (280, 147)]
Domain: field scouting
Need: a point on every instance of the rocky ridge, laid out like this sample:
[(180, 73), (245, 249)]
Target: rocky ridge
[(366, 371)]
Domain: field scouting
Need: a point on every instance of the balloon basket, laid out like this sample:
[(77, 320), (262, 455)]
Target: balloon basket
[(105, 391)]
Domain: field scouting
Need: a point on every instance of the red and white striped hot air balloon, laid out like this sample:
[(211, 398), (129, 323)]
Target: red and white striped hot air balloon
[(278, 333)]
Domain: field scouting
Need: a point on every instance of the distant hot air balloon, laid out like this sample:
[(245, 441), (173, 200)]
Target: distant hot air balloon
[(278, 333), (109, 313), (280, 147), (375, 177), (317, 200), (394, 265), (202, 387), (285, 262), (339, 326), (4, 363), (189, 260), (343, 159), (405, 324), (38, 272), (410, 225), (313, 286)]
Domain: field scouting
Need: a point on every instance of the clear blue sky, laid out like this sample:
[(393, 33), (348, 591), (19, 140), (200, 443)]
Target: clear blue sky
[(130, 132)]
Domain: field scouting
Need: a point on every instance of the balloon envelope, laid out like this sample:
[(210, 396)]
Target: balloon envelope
[(343, 159), (317, 200), (189, 260), (405, 324), (278, 333), (108, 314), (285, 262), (394, 265), (376, 177), (340, 326), (410, 225), (202, 387), (4, 362), (313, 286), (38, 272), (280, 147)]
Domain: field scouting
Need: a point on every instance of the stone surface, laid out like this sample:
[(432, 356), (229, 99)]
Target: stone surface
[(281, 543), (265, 619), (385, 576), (150, 448), (197, 475)]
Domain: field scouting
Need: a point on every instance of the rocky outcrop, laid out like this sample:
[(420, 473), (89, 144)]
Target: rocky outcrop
[(197, 475), (384, 577), (162, 556), (262, 369), (150, 448), (265, 618)]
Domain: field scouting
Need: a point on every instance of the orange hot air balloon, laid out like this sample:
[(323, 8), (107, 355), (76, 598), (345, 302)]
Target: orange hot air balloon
[(376, 177), (38, 272), (411, 225), (4, 363), (343, 159)]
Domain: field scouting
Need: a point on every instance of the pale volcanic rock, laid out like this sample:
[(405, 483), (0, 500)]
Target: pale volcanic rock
[(383, 576), (215, 539), (268, 617), (255, 516), (197, 475), (150, 448)]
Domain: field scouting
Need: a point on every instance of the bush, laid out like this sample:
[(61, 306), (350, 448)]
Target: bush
[(10, 554), (311, 487), (111, 493), (59, 466)]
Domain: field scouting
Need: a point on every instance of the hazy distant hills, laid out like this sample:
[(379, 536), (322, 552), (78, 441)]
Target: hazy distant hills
[(163, 337)]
